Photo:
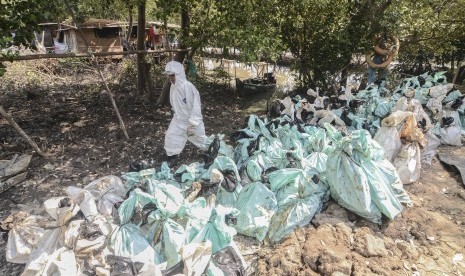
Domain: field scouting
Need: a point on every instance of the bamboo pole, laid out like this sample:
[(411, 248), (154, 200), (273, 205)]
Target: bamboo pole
[(92, 56), (79, 55), (12, 122)]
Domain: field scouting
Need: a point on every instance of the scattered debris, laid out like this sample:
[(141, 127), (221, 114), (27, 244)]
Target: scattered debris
[(13, 171)]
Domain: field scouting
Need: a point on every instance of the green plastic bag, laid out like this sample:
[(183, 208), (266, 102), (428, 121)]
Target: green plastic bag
[(168, 235), (168, 197), (317, 162), (197, 214), (275, 151), (216, 230), (358, 181), (289, 184), (256, 205), (128, 241), (254, 170), (298, 197), (190, 173), (224, 197), (225, 149), (263, 160), (138, 178), (297, 212)]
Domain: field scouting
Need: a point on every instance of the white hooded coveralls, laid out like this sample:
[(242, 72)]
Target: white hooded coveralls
[(185, 102)]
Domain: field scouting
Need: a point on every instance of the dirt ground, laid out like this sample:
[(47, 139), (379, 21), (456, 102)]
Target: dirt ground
[(72, 120)]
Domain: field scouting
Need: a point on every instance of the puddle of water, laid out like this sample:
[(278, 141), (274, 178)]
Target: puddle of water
[(252, 103)]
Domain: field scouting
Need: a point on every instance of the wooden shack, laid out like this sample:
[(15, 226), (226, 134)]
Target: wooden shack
[(102, 35)]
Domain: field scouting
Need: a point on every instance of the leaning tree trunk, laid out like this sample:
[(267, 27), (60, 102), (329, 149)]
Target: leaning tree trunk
[(164, 96), (141, 87)]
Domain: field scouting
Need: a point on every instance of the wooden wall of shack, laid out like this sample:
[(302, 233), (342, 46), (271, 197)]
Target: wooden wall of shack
[(98, 44)]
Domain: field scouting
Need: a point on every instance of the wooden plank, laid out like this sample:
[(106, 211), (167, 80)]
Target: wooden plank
[(12, 167), (12, 181)]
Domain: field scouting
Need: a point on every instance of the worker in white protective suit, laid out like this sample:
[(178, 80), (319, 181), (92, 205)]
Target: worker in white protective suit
[(187, 122)]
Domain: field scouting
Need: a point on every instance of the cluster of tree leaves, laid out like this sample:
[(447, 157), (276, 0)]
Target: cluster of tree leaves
[(18, 21), (323, 35)]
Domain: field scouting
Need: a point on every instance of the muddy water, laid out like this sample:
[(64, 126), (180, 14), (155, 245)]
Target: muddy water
[(253, 103)]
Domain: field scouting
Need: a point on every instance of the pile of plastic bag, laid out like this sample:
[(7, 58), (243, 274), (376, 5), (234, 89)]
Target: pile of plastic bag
[(357, 149)]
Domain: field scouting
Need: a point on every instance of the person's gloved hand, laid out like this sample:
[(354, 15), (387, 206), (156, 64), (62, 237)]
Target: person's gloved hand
[(190, 130)]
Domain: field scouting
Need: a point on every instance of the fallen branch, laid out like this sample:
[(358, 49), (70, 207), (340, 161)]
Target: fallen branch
[(20, 131)]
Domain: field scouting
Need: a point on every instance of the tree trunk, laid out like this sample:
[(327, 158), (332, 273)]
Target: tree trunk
[(185, 22), (141, 87), (128, 36)]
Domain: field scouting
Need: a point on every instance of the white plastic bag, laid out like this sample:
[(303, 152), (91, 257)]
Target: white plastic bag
[(388, 138), (60, 48), (429, 151), (24, 234), (62, 210), (440, 91), (196, 257), (62, 263), (85, 200), (107, 191), (451, 136), (434, 105), (408, 163)]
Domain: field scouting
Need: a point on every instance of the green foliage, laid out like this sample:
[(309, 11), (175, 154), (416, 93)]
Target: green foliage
[(107, 9), (323, 35), (127, 72), (18, 21), (432, 31)]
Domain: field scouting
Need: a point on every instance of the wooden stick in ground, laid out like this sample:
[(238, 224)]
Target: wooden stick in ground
[(94, 60), (12, 122), (456, 73)]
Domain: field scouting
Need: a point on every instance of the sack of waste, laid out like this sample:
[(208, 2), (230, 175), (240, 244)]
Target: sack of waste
[(256, 204), (429, 150), (448, 132), (153, 213), (107, 191), (358, 180), (298, 197), (61, 211), (138, 179), (220, 234), (24, 233), (401, 138), (127, 240), (388, 137), (88, 242), (225, 171), (195, 258)]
